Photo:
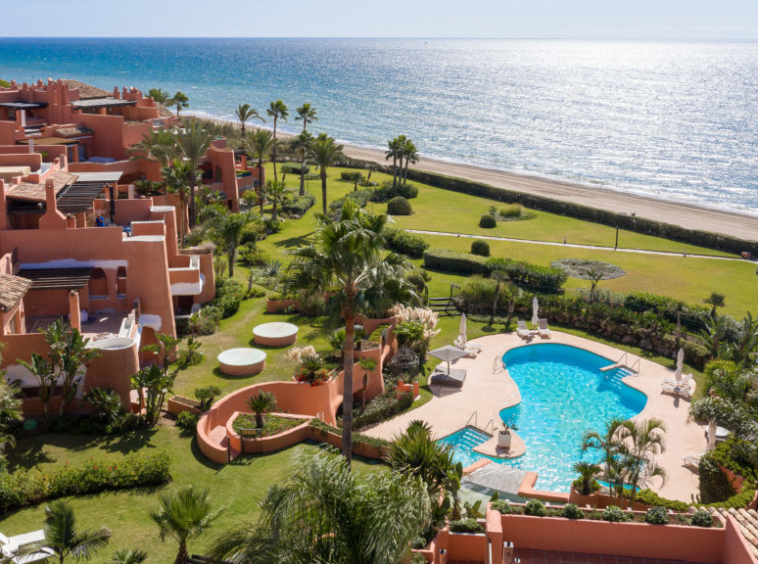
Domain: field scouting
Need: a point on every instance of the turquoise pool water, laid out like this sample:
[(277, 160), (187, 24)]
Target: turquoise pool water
[(563, 395)]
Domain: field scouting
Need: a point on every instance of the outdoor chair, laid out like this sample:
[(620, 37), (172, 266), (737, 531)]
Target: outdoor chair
[(685, 381), (544, 330), (680, 390), (693, 460), (522, 330), (472, 350)]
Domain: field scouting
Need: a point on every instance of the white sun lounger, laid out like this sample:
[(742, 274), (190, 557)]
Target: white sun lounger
[(693, 460), (471, 349), (680, 390), (522, 330), (21, 549), (685, 381), (544, 330)]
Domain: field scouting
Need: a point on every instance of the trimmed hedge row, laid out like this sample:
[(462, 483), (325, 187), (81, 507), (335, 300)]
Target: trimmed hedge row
[(20, 489), (453, 261), (404, 242), (299, 204), (715, 241)]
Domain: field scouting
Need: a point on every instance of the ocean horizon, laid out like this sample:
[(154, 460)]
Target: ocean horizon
[(667, 119)]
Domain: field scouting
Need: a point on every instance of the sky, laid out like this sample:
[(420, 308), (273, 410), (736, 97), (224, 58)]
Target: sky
[(621, 19)]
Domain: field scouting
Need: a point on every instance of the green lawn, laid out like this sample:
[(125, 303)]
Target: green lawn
[(238, 486)]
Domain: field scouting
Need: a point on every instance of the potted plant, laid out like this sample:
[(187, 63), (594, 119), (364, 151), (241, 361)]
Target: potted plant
[(504, 436)]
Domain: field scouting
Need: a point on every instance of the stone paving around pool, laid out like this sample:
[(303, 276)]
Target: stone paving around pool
[(488, 389)]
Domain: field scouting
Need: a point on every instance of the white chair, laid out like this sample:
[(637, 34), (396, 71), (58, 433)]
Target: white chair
[(23, 549), (684, 391), (472, 350), (685, 381), (522, 330), (693, 460), (544, 330)]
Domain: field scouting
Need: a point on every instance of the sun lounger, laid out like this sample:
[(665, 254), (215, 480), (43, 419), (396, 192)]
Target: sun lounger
[(684, 391), (693, 460), (471, 349), (522, 330), (453, 380), (685, 381), (24, 549), (544, 330)]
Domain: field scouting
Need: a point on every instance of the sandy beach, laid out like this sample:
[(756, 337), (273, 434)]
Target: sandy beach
[(686, 215)]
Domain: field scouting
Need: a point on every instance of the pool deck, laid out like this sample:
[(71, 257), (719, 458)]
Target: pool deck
[(488, 389)]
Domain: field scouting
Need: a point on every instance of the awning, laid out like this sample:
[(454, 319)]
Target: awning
[(98, 103), (57, 278), (23, 105)]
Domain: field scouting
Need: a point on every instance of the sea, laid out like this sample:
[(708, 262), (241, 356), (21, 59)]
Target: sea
[(673, 120)]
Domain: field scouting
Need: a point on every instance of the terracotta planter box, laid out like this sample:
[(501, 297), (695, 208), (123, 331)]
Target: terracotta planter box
[(178, 404)]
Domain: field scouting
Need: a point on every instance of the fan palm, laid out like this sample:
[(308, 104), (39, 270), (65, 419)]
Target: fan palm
[(347, 258), (325, 152), (277, 110), (260, 143), (326, 514), (715, 300), (587, 472), (128, 556), (180, 100), (245, 113), (194, 141), (261, 403), (227, 232), (183, 515), (63, 538), (178, 179)]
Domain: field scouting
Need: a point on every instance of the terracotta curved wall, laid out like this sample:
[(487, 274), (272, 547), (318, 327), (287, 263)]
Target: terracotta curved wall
[(113, 370)]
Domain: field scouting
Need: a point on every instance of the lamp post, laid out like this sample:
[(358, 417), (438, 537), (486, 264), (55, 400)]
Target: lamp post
[(615, 248)]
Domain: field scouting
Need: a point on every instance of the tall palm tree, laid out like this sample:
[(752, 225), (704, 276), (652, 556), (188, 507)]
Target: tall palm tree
[(326, 514), (183, 515), (410, 154), (325, 152), (278, 194), (63, 538), (303, 144), (610, 445), (261, 403), (245, 113), (277, 110), (128, 556), (227, 232), (180, 100), (194, 141), (644, 440), (158, 145), (178, 179), (394, 152), (260, 144), (307, 114), (347, 257)]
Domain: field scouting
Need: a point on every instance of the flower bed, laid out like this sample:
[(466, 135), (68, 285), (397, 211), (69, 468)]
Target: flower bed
[(314, 378), (272, 424)]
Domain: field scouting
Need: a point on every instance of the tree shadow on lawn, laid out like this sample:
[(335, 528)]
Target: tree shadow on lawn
[(294, 242)]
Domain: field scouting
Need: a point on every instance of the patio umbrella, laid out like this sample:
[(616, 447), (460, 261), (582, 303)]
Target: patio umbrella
[(448, 354), (712, 428), (535, 311), (679, 364), (462, 329)]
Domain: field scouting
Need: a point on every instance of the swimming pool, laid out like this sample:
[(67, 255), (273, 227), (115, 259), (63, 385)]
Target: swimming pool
[(563, 395)]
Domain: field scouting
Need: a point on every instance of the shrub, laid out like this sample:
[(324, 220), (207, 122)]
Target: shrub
[(382, 408), (452, 261), (351, 176), (505, 508), (357, 437), (481, 248), (204, 323), (229, 295), (294, 168), (399, 206), (416, 279), (299, 205), (187, 422), (359, 197), (512, 211), (649, 497), (253, 232), (468, 525), (615, 514), (657, 516), (312, 304), (487, 221), (250, 255), (21, 488), (272, 225), (386, 192), (535, 508), (418, 558), (545, 277), (572, 511), (409, 332), (403, 242), (702, 518)]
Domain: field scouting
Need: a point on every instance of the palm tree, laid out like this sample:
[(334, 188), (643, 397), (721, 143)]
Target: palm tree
[(643, 441), (260, 143), (394, 152), (324, 513), (261, 403), (158, 145), (303, 143), (371, 167), (10, 410), (307, 114), (194, 141), (62, 537), (367, 364), (74, 355), (106, 404), (278, 194), (183, 515), (159, 95), (715, 300), (180, 100), (47, 375), (277, 110), (227, 232), (410, 154), (178, 179), (347, 258), (128, 556), (587, 472), (610, 445), (325, 152), (244, 113)]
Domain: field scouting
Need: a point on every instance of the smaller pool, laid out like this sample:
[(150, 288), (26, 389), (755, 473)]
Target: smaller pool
[(464, 442)]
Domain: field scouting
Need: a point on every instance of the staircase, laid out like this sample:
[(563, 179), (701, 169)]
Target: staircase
[(443, 306)]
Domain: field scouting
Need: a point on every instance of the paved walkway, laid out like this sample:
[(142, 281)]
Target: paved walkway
[(488, 389), (554, 244)]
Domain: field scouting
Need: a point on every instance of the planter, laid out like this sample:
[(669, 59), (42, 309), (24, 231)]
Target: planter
[(504, 440), (178, 404)]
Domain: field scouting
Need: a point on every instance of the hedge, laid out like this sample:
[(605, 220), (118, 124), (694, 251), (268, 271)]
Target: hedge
[(453, 261), (404, 242), (21, 488), (715, 241), (294, 168), (299, 204), (229, 295), (382, 408), (386, 192)]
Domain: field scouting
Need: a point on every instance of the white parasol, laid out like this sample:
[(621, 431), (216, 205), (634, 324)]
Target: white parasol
[(679, 364), (448, 354), (462, 330), (535, 311)]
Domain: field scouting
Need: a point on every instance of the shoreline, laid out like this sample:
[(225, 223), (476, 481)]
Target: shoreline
[(685, 214)]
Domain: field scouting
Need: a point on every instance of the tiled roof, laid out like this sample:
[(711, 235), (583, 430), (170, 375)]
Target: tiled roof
[(747, 519), (12, 290), (87, 91), (31, 191)]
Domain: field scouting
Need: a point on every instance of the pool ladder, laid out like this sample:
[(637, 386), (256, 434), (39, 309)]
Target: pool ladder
[(475, 417), (624, 362)]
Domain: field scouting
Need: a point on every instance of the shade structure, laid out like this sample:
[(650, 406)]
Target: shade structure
[(535, 311), (448, 354), (712, 429), (679, 364), (462, 330)]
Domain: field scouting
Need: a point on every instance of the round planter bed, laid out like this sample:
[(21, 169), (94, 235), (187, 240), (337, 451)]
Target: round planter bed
[(276, 334), (242, 362)]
